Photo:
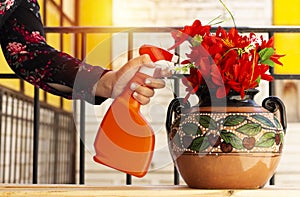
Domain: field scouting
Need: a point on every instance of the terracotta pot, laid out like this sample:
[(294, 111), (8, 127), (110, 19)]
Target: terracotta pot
[(232, 146)]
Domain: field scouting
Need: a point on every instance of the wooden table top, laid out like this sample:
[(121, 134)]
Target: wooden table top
[(132, 191)]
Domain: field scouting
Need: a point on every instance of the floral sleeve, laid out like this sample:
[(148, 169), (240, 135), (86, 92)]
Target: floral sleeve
[(31, 58), (6, 8)]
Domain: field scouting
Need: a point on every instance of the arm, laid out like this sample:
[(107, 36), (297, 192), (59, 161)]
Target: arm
[(31, 58)]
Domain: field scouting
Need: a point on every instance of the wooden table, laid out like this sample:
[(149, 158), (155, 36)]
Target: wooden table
[(133, 191)]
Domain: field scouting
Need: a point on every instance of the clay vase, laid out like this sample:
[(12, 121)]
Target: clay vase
[(233, 146)]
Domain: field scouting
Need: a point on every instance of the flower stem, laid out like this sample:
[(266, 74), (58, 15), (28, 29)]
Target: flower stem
[(232, 18), (253, 66)]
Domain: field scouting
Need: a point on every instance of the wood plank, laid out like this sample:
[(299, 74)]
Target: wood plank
[(133, 191)]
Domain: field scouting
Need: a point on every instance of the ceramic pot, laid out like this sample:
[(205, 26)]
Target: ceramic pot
[(232, 146)]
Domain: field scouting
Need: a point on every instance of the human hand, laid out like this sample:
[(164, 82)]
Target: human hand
[(114, 82)]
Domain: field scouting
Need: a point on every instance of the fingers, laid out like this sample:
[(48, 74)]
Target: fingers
[(143, 93), (143, 100), (155, 83)]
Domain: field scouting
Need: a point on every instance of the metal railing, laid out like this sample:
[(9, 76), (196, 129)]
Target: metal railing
[(81, 33), (29, 131)]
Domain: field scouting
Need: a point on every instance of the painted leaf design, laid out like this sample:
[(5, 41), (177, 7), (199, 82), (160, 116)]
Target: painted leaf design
[(266, 141), (200, 144), (234, 120), (281, 138), (177, 141), (208, 122), (263, 120), (250, 129), (191, 129), (278, 124), (232, 139)]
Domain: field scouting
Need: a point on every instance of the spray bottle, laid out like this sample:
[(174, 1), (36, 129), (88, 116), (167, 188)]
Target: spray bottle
[(125, 141)]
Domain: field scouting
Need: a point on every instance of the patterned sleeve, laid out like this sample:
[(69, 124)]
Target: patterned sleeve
[(7, 7), (32, 59)]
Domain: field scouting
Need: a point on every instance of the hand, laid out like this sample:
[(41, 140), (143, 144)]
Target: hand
[(114, 82)]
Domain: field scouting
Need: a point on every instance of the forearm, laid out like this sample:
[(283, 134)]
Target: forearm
[(31, 58)]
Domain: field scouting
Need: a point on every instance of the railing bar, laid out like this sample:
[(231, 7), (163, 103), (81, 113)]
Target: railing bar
[(5, 137), (56, 149), (82, 139), (82, 121), (11, 139), (17, 145), (130, 56), (72, 148), (21, 140), (1, 114), (25, 141), (176, 94), (61, 150), (66, 151), (108, 29), (272, 92), (36, 121), (28, 143), (8, 76), (52, 148)]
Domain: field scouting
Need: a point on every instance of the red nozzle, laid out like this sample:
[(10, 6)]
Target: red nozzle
[(157, 53)]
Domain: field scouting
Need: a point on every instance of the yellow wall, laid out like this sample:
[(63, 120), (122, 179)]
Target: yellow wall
[(92, 13), (97, 13), (287, 13)]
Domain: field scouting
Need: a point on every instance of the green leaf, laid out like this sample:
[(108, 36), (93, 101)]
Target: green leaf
[(263, 120), (191, 129), (208, 122), (232, 139), (250, 129), (268, 62), (234, 120), (258, 79), (266, 53), (266, 141), (199, 144)]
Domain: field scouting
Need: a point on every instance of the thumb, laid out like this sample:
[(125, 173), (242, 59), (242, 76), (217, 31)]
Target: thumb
[(126, 72), (133, 65)]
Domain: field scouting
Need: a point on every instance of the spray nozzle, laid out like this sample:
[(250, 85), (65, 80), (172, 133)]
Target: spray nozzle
[(157, 53)]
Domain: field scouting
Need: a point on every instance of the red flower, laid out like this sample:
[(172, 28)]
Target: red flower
[(189, 32), (225, 61)]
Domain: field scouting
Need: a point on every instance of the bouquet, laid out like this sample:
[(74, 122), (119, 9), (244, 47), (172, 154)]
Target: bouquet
[(224, 61)]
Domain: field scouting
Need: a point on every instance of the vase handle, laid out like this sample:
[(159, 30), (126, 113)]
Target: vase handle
[(175, 106), (273, 104)]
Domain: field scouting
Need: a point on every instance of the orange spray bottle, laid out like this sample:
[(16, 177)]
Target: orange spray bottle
[(125, 140)]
